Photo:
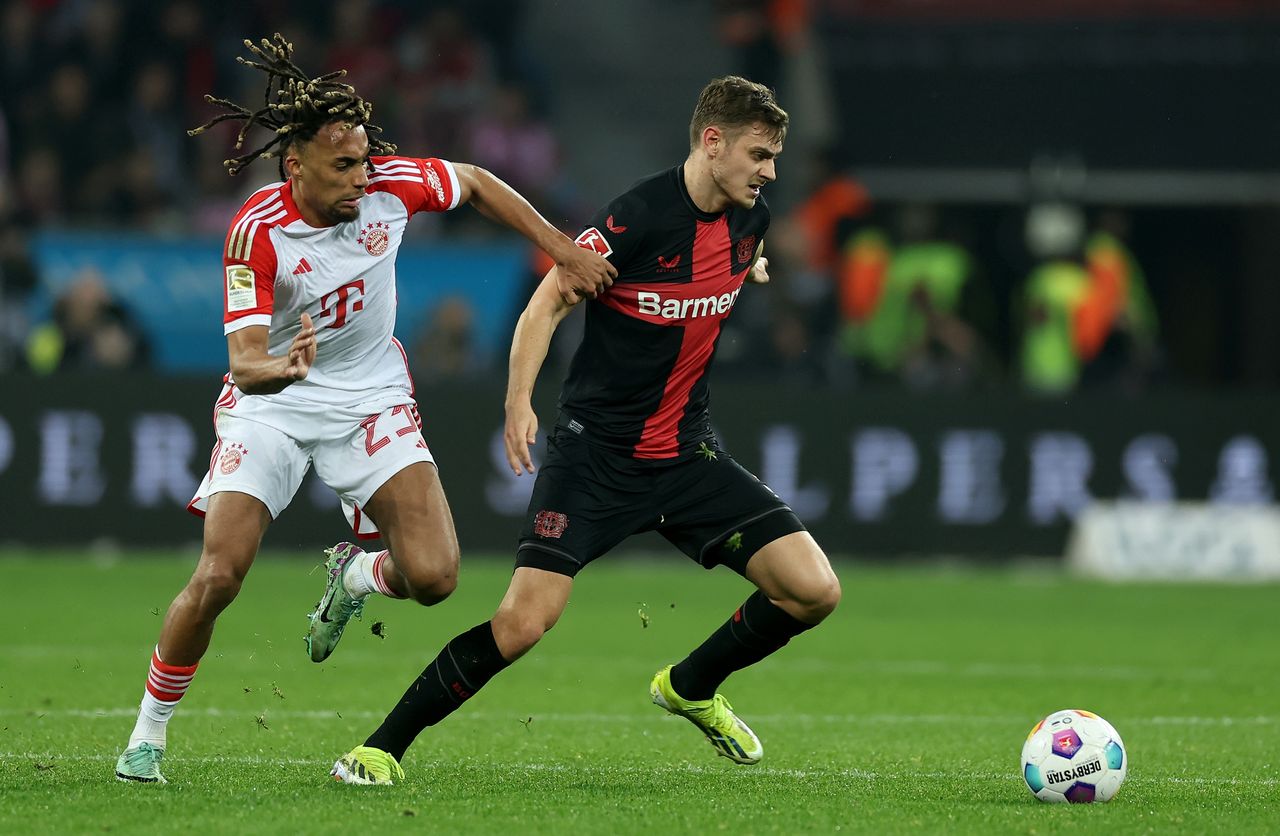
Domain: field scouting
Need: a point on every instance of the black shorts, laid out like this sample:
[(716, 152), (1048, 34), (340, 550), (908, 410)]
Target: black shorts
[(587, 499)]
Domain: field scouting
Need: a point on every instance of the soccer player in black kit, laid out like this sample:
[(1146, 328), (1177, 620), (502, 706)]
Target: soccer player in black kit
[(632, 449)]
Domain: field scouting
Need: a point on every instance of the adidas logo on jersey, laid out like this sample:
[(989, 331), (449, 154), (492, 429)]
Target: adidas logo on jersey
[(303, 267), (652, 304)]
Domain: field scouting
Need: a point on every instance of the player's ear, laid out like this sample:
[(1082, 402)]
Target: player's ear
[(712, 140), (292, 161)]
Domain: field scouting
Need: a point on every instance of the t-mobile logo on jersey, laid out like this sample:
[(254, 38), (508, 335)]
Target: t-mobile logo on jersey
[(342, 302), (652, 304)]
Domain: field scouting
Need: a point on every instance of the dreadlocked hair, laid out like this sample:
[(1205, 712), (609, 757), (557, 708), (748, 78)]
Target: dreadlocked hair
[(295, 107)]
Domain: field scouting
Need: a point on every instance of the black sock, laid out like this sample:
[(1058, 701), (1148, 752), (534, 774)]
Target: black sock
[(462, 668), (758, 628)]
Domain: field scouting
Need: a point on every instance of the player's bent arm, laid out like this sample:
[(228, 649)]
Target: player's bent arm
[(545, 311), (257, 372), (582, 271), (497, 201)]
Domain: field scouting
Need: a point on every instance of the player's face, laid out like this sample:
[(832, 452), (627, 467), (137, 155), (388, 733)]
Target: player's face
[(330, 174), (745, 163)]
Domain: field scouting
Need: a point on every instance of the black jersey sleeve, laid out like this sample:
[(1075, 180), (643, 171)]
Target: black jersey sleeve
[(618, 229)]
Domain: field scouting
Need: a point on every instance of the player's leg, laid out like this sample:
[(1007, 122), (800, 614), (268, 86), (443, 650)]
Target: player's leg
[(233, 527), (253, 475), (720, 513), (796, 590), (387, 478), (413, 515), (421, 560), (571, 520), (534, 602)]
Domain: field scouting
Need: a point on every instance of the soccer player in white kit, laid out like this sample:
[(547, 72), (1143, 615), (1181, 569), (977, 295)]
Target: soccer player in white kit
[(317, 379)]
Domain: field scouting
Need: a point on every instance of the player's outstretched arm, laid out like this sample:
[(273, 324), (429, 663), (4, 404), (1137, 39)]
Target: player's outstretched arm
[(546, 309), (257, 372), (582, 274)]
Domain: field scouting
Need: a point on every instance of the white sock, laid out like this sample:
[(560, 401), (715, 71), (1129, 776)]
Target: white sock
[(153, 721), (163, 680), (365, 576)]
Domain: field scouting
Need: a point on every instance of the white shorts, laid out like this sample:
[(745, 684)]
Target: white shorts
[(354, 452)]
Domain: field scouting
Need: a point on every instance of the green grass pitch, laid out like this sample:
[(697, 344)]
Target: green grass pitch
[(904, 713)]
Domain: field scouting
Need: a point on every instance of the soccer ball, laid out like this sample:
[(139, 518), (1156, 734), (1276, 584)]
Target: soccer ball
[(1074, 756)]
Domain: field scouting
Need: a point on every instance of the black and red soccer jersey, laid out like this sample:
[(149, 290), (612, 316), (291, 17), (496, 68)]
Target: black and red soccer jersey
[(638, 382)]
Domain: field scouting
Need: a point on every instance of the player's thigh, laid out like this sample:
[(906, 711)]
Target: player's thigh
[(358, 457), (412, 512), (233, 527), (718, 513), (585, 501), (794, 571)]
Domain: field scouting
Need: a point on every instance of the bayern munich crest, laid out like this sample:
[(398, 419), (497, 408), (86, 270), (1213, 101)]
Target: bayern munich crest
[(375, 238), (231, 458)]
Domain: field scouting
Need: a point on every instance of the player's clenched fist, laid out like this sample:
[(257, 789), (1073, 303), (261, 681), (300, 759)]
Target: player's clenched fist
[(760, 271), (583, 274)]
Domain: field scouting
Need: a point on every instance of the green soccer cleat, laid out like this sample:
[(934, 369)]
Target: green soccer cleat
[(141, 764), (367, 765), (731, 737), (336, 607)]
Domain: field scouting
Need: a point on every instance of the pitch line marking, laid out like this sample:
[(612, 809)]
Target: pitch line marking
[(580, 717), (692, 769)]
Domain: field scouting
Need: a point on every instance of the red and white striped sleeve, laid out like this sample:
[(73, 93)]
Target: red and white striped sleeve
[(429, 185), (249, 260)]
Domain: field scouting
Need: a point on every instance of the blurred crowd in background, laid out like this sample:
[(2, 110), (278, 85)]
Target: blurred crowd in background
[(96, 97)]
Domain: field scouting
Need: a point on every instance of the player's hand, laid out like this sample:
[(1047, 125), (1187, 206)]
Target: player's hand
[(583, 274), (521, 431), (302, 351), (759, 271)]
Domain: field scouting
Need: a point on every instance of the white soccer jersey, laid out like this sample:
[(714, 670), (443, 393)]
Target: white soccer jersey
[(278, 267)]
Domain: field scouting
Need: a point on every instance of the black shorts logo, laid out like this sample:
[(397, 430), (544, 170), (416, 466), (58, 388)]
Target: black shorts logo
[(550, 524)]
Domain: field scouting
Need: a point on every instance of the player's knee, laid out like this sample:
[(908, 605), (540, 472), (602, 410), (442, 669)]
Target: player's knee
[(213, 588), (431, 583), (516, 633), (819, 600), (433, 578)]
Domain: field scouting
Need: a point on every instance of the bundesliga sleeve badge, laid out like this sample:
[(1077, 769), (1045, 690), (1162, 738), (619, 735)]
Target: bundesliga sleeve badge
[(242, 290), (591, 239)]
